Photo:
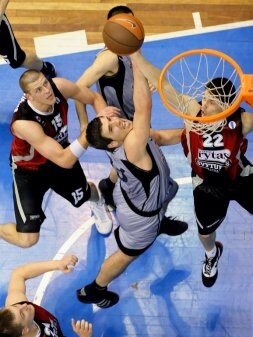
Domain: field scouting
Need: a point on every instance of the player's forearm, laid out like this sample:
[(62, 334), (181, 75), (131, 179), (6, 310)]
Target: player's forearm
[(82, 115), (142, 97), (73, 152), (151, 72), (33, 269), (99, 103), (166, 136)]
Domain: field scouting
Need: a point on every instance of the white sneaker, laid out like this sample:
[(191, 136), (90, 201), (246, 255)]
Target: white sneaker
[(102, 217)]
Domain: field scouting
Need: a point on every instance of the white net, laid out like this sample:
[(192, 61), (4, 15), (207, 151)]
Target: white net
[(201, 128), (198, 77)]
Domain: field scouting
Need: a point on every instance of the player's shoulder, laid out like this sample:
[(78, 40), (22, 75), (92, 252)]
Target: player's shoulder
[(106, 53)]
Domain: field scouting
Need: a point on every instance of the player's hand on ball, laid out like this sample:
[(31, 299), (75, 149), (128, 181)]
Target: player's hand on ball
[(82, 328)]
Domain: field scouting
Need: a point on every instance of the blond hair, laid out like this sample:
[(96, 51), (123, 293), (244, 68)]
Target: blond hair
[(28, 77)]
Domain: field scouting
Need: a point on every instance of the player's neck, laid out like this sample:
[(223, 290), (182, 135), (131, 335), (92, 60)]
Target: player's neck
[(41, 109), (34, 331)]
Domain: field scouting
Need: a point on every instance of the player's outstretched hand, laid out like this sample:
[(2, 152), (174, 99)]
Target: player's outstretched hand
[(82, 328), (67, 263), (109, 111)]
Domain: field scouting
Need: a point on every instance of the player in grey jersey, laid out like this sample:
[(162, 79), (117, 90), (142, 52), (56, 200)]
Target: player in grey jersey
[(113, 76), (142, 192)]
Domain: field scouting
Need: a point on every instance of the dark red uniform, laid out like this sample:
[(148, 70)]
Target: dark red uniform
[(48, 323), (220, 172), (34, 175)]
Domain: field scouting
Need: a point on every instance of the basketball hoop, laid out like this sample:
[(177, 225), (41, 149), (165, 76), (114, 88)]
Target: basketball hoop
[(184, 81)]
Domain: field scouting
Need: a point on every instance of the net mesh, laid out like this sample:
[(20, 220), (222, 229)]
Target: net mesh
[(201, 128), (195, 78)]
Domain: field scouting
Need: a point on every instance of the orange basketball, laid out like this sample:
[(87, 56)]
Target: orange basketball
[(123, 34)]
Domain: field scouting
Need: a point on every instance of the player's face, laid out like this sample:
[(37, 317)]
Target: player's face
[(41, 91), (210, 105), (24, 314), (116, 128)]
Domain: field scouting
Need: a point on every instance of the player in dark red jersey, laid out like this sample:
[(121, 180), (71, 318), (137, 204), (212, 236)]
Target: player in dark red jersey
[(220, 170), (42, 159), (20, 317), (13, 54)]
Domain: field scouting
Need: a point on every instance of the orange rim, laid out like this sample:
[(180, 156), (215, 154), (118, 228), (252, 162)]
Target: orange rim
[(204, 119)]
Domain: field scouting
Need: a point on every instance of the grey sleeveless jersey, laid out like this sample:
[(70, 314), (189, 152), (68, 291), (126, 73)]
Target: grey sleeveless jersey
[(141, 197), (117, 90)]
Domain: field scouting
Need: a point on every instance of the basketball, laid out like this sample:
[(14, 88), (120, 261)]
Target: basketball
[(123, 34)]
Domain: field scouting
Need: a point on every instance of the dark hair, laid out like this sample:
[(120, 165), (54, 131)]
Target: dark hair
[(8, 326), (222, 88), (94, 135), (118, 10)]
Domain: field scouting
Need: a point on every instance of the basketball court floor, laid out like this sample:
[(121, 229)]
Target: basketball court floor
[(161, 293)]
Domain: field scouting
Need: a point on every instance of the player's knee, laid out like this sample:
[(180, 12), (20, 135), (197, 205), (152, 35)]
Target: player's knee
[(27, 240)]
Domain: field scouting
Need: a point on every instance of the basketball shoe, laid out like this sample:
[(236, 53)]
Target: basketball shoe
[(210, 266), (172, 226), (48, 70), (102, 298), (102, 217)]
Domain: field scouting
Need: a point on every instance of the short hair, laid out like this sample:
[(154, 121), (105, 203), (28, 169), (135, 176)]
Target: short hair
[(118, 10), (8, 326), (222, 88), (28, 77), (94, 135)]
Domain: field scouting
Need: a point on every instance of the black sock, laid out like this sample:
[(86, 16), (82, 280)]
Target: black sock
[(109, 184), (95, 287)]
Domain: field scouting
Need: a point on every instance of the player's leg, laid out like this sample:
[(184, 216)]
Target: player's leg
[(16, 57), (28, 194), (242, 192), (96, 292), (106, 187), (72, 185), (210, 211)]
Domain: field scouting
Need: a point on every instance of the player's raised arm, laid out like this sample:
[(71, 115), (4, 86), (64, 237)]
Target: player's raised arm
[(17, 287)]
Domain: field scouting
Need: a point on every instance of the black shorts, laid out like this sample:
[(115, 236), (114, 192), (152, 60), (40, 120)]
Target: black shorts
[(29, 188), (211, 202), (9, 47)]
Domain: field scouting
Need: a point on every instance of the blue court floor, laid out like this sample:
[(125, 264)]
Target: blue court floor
[(161, 293)]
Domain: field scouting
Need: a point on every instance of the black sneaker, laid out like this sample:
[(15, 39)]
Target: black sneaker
[(48, 70), (103, 299), (172, 226), (210, 267), (107, 193)]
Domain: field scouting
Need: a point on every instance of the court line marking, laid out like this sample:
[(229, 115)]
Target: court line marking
[(164, 36), (157, 37), (47, 277), (197, 20)]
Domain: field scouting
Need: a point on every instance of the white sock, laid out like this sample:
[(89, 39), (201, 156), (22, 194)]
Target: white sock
[(211, 253)]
